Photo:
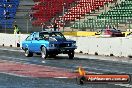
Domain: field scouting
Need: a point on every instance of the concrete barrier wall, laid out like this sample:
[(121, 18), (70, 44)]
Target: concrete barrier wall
[(11, 39), (90, 45), (126, 49), (104, 46)]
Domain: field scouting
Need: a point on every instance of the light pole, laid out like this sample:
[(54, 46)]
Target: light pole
[(5, 18), (43, 29), (63, 15), (29, 18), (27, 25), (5, 25), (105, 14)]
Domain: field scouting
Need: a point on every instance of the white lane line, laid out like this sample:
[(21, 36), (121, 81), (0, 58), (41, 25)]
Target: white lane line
[(43, 61), (14, 58), (14, 74), (61, 77), (124, 85), (12, 50)]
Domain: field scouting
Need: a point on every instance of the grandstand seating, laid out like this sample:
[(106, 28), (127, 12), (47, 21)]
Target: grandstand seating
[(47, 9), (7, 12), (83, 7), (119, 14)]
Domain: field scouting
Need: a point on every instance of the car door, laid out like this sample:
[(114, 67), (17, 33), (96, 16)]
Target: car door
[(27, 42), (30, 45), (36, 42)]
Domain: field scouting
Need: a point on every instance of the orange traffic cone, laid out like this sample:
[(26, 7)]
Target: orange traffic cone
[(81, 79), (81, 71)]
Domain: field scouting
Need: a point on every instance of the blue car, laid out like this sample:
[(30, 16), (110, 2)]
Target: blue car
[(48, 44)]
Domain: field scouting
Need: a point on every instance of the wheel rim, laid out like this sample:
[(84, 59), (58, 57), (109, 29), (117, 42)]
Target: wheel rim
[(43, 53), (26, 53)]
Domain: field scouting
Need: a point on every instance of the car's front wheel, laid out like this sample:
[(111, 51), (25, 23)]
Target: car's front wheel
[(28, 53), (44, 53), (71, 54)]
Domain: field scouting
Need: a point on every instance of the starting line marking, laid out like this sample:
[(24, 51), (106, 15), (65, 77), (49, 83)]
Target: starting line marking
[(14, 74), (123, 85)]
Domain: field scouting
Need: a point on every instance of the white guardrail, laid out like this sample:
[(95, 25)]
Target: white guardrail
[(90, 45)]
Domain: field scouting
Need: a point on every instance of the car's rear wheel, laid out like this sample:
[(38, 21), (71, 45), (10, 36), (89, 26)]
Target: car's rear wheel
[(44, 53), (28, 53), (71, 54)]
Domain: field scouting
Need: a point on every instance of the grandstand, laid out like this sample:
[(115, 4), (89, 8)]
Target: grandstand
[(84, 15), (7, 13), (118, 14), (23, 18)]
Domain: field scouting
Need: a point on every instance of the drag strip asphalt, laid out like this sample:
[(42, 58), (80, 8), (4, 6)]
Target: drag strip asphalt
[(93, 65)]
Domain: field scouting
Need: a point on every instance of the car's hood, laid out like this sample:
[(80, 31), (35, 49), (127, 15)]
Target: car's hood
[(59, 39)]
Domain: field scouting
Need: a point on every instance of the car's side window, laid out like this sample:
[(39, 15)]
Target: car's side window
[(44, 35), (36, 36)]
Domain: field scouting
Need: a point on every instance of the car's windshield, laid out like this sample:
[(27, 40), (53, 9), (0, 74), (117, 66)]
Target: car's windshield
[(111, 30), (116, 31), (46, 35)]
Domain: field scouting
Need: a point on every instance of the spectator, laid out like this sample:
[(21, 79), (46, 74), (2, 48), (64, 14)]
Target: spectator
[(16, 29), (55, 27), (114, 28)]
